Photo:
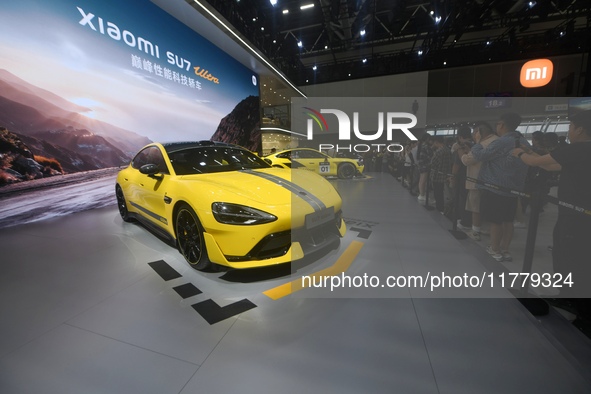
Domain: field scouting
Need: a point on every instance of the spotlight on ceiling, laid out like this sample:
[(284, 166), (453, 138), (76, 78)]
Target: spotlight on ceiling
[(300, 44), (273, 2), (362, 32), (306, 6), (364, 60), (314, 68)]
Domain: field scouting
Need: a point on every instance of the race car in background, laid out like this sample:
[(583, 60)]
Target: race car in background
[(316, 161)]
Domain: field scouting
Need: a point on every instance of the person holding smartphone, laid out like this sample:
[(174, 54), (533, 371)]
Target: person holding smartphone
[(572, 232)]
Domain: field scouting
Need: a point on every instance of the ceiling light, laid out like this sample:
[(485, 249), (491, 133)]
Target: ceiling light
[(314, 68), (273, 2), (420, 52), (300, 44), (326, 47), (362, 32), (250, 48), (285, 11), (437, 19), (306, 6), (364, 60)]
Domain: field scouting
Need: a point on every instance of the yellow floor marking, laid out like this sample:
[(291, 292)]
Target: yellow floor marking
[(341, 265)]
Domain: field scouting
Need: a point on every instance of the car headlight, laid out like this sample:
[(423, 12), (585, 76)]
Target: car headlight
[(236, 214)]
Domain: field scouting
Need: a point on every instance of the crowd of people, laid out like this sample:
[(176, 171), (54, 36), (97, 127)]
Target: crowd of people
[(487, 174)]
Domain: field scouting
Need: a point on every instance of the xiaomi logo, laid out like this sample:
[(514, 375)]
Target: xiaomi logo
[(536, 73)]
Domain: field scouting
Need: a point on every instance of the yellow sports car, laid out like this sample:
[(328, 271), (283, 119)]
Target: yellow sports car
[(222, 204), (316, 161)]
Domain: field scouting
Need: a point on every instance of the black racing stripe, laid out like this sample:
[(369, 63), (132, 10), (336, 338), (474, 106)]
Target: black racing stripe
[(149, 213), (314, 201)]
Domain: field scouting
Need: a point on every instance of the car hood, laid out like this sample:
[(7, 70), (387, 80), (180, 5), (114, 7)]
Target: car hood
[(267, 185)]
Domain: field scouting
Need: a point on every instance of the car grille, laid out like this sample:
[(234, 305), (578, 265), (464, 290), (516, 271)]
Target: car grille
[(277, 244)]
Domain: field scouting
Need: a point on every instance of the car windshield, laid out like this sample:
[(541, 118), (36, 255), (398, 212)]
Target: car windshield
[(204, 160)]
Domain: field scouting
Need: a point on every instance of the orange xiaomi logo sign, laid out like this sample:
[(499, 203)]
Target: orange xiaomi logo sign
[(536, 73)]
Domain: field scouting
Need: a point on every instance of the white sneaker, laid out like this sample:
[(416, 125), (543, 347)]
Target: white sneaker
[(475, 235), (494, 254), (421, 198), (463, 228), (507, 256)]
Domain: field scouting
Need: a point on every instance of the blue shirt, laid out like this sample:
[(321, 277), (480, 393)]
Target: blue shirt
[(499, 167)]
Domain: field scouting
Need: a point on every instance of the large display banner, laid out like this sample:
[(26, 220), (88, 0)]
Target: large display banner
[(85, 84)]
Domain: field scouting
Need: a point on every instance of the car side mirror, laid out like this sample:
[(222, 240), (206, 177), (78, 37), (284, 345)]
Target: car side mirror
[(150, 170)]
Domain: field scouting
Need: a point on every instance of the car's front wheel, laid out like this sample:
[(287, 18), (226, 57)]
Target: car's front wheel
[(122, 205), (346, 171), (189, 236)]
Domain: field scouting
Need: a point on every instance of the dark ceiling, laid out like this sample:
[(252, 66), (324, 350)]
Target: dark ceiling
[(405, 35)]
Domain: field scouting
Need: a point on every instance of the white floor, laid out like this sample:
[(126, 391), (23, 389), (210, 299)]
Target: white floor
[(82, 311)]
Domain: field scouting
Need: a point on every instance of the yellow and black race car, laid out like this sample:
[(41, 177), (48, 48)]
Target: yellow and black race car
[(222, 204), (316, 161)]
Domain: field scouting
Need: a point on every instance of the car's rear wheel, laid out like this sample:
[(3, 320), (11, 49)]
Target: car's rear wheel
[(122, 205), (346, 171), (189, 236)]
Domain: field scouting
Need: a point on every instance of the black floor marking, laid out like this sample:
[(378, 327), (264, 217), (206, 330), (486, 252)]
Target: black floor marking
[(187, 290), (360, 223), (164, 270), (213, 313), (362, 232)]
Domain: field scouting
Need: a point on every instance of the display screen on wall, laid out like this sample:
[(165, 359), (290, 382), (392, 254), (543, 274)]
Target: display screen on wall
[(84, 84), (579, 104)]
